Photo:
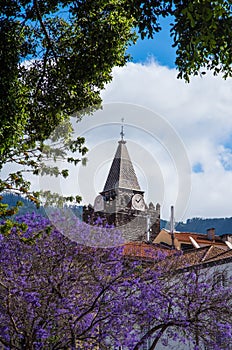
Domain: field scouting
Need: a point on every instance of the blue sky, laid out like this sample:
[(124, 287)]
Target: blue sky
[(160, 47)]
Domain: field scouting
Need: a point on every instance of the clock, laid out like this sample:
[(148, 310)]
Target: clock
[(138, 202), (99, 203)]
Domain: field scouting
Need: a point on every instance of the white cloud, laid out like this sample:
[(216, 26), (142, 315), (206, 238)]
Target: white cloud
[(201, 114)]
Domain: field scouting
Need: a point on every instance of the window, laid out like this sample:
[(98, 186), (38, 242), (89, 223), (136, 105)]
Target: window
[(186, 246)]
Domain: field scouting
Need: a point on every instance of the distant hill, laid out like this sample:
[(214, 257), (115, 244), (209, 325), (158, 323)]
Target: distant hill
[(28, 206), (200, 225)]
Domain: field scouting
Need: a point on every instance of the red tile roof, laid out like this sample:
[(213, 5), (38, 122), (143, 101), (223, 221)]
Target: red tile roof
[(173, 260), (199, 237), (146, 250), (222, 255), (200, 256)]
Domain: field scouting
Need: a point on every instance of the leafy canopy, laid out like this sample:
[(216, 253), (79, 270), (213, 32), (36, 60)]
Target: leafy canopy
[(57, 55)]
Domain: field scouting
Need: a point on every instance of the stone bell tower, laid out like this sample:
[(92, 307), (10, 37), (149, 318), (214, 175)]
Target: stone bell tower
[(122, 201)]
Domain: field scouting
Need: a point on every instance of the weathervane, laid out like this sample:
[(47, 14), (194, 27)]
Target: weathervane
[(122, 130)]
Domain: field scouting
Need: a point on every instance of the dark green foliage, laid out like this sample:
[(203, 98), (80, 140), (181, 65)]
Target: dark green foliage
[(57, 55), (55, 58), (202, 34)]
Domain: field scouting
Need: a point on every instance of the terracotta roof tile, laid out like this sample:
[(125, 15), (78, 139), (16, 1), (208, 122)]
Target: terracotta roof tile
[(212, 252), (172, 259), (199, 237), (200, 256), (220, 256), (145, 250)]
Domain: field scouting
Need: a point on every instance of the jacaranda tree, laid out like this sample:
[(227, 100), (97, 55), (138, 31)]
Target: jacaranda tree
[(56, 293)]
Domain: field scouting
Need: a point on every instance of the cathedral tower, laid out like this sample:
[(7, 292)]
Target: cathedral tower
[(122, 201)]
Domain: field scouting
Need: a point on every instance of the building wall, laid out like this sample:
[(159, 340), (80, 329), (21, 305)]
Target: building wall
[(132, 223), (222, 273)]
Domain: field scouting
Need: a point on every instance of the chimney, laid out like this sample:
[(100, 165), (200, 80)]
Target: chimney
[(172, 227), (148, 228), (211, 234)]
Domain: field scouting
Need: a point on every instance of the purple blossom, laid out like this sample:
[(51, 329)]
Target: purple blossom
[(58, 292)]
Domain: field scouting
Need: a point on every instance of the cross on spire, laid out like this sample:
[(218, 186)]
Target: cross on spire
[(122, 130)]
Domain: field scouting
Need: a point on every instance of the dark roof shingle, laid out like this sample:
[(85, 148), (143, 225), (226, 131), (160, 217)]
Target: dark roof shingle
[(122, 173)]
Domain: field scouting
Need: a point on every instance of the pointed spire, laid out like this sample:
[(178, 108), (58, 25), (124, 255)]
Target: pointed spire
[(122, 173)]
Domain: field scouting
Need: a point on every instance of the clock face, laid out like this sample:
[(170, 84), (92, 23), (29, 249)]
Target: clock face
[(138, 202), (99, 203)]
